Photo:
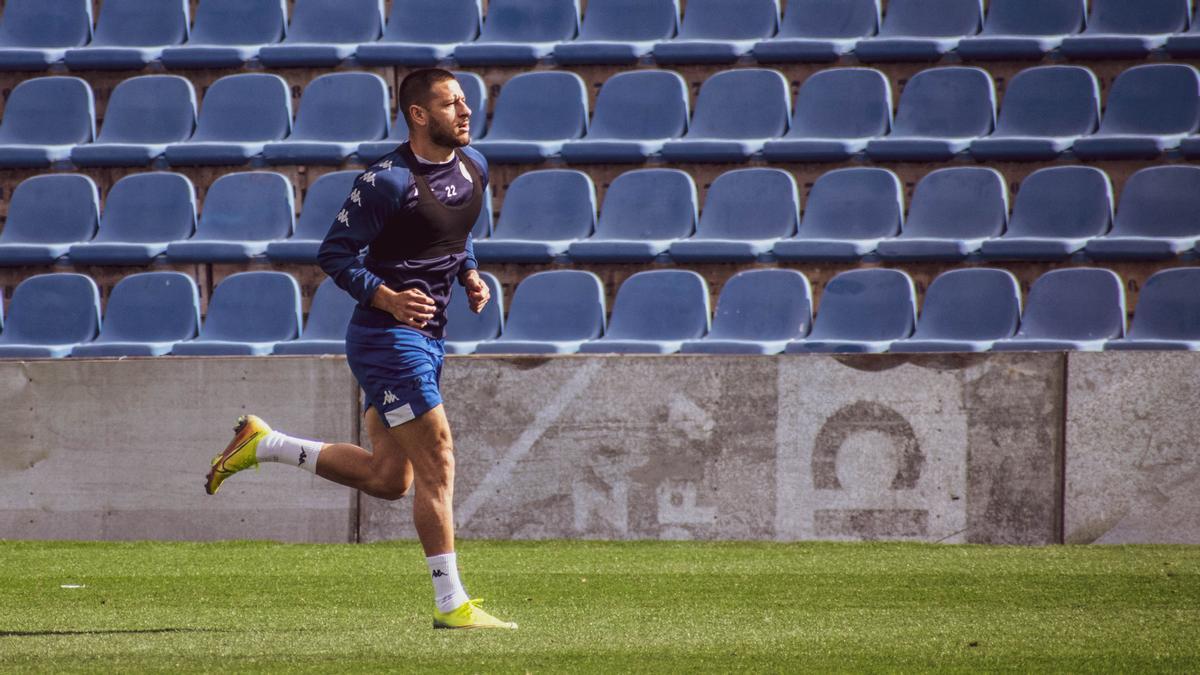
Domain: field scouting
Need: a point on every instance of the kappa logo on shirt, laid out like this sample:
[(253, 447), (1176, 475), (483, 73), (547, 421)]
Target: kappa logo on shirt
[(343, 217), (388, 397), (385, 164), (356, 197), (369, 178)]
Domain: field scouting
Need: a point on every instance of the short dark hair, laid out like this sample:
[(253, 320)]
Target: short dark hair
[(416, 86)]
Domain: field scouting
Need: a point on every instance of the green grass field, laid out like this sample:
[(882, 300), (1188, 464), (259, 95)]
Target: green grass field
[(591, 606)]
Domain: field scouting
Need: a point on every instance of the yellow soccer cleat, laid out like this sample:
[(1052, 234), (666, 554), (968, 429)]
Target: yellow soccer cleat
[(469, 615), (242, 452)]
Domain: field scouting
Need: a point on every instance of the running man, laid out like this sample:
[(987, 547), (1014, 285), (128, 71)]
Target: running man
[(413, 210)]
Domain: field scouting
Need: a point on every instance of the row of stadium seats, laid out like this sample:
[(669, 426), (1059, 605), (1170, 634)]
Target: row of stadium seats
[(322, 33), (851, 214), (840, 112), (659, 312)]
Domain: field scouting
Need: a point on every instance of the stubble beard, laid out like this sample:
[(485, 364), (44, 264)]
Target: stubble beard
[(446, 136)]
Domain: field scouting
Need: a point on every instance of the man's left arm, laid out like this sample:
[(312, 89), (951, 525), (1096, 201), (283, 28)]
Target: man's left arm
[(478, 293)]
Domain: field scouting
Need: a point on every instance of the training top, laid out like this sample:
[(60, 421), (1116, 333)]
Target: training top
[(414, 219)]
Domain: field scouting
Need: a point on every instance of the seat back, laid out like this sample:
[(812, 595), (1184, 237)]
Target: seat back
[(150, 109), (744, 103), (433, 21), (723, 20), (660, 305), (758, 203), (248, 206), (1160, 201), (329, 313), (630, 20), (530, 21), (763, 305), (1168, 306), (970, 304), (463, 325), (322, 201), (477, 98), (254, 307), (1144, 17), (866, 304), (1079, 303), (647, 204), (931, 18), (52, 110), (958, 203), (50, 309), (952, 101), (1157, 98), (824, 19), (245, 107), (843, 103), (854, 203), (149, 207), (239, 22), (1050, 101), (152, 307), (541, 106), (343, 107), (335, 21), (552, 204), (1063, 201), (557, 305), (52, 208), (40, 24), (141, 23), (645, 104), (1035, 17)]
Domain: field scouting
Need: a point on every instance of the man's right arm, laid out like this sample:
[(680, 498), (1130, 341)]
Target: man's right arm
[(357, 224)]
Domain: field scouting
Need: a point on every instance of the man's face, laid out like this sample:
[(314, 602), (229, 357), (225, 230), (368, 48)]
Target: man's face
[(449, 118)]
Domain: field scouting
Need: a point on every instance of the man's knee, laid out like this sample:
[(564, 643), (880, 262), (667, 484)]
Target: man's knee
[(389, 488)]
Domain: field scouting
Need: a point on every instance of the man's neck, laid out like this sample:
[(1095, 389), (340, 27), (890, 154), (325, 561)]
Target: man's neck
[(430, 151)]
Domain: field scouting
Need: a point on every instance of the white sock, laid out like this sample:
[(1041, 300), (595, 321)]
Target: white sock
[(277, 447), (448, 592)]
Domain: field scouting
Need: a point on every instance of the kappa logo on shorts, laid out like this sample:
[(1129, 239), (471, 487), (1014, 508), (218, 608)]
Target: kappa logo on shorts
[(388, 397)]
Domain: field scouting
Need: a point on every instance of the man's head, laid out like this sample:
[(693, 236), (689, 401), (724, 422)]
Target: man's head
[(434, 106)]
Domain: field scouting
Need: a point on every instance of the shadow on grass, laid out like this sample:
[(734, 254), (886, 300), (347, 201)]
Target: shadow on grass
[(128, 631)]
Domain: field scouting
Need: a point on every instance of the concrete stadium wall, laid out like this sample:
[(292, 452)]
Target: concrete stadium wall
[(999, 448)]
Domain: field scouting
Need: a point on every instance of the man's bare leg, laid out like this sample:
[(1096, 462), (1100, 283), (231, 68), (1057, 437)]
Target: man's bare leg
[(385, 473)]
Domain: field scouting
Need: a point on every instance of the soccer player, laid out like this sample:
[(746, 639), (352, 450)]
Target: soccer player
[(413, 210)]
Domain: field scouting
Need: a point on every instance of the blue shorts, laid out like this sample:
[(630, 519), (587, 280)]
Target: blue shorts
[(399, 370)]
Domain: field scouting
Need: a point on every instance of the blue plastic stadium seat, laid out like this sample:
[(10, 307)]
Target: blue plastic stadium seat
[(35, 34), (239, 115), (520, 32), (1190, 147), (142, 214), (1167, 316), (1024, 29), (46, 214), (966, 310), (535, 114), (130, 34), (465, 329), (941, 111), (643, 212), (1076, 309), (1150, 109), (736, 112), (759, 312), (551, 313), (228, 33), (1156, 216), (862, 311), (620, 31), (655, 312), (249, 314), (476, 93), (849, 212), (49, 314), (328, 316), (718, 31), (243, 212), (146, 315), (543, 213), (1120, 29), (1186, 45), (921, 30), (745, 213), (338, 112), (422, 32), (1056, 211), (953, 212), (819, 30), (44, 119), (636, 113), (837, 112), (322, 201), (145, 114), (323, 33), (1045, 110)]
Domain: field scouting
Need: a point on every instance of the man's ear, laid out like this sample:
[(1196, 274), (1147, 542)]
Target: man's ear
[(417, 114)]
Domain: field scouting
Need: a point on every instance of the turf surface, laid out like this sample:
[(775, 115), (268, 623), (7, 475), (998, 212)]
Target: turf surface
[(592, 606)]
